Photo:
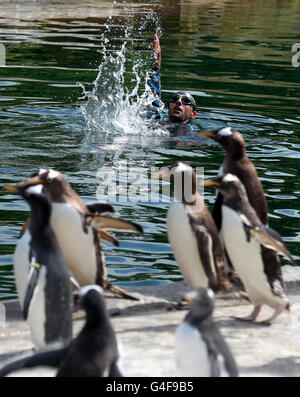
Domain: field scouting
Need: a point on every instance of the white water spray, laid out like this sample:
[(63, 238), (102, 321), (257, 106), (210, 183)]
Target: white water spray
[(117, 104)]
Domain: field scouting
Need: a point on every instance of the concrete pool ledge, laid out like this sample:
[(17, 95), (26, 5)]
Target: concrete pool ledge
[(146, 330)]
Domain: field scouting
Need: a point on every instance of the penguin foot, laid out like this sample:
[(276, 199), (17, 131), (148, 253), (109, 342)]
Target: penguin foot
[(276, 313), (241, 295), (250, 317), (265, 322), (119, 292), (233, 293), (246, 318)]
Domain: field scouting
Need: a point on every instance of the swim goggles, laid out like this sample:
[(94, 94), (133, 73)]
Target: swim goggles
[(184, 99)]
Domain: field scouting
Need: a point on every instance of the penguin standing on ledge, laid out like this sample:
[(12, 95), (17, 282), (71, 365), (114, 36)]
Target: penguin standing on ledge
[(244, 236), (238, 163), (47, 304), (93, 353), (80, 242), (201, 350), (192, 232)]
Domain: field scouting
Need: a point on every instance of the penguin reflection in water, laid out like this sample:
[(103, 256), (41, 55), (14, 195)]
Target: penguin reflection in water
[(78, 233), (244, 235), (201, 350), (93, 353), (47, 304)]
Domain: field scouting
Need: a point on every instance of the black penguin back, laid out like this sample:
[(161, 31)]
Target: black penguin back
[(94, 353), (221, 360), (45, 251), (218, 349)]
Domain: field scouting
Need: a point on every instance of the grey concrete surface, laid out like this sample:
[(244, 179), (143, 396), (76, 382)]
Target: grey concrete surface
[(146, 328)]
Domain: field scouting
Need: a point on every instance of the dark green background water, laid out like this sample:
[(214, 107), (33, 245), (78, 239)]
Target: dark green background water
[(233, 56)]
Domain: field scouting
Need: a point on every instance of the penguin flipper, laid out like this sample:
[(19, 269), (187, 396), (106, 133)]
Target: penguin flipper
[(223, 348), (217, 211), (108, 237), (101, 222), (220, 356), (270, 239), (50, 358), (31, 284), (24, 227), (204, 242), (100, 208)]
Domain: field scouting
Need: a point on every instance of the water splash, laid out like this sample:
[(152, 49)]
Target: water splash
[(117, 104)]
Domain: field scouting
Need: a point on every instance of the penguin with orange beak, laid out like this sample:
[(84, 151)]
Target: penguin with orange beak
[(244, 235)]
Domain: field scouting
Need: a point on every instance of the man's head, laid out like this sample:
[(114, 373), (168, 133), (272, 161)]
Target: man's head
[(182, 108)]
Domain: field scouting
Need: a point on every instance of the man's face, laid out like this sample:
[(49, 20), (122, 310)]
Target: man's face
[(178, 111)]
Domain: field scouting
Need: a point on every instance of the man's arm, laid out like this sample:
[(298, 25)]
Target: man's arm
[(154, 81), (156, 53)]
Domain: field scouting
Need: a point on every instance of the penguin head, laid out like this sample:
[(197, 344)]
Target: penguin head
[(53, 181), (49, 177), (229, 185), (180, 167), (29, 192), (226, 136), (201, 301), (87, 292), (184, 178), (37, 199), (177, 168), (92, 301)]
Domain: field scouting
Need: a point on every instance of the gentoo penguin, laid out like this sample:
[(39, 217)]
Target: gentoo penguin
[(80, 242), (192, 232), (47, 298), (93, 353), (244, 235), (200, 348), (238, 163)]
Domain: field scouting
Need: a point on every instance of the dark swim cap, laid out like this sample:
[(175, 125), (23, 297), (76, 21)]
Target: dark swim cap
[(183, 93)]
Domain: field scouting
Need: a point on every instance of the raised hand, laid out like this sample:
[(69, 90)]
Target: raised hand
[(156, 52)]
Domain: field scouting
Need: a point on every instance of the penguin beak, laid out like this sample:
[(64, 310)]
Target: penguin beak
[(12, 189), (212, 182), (209, 134), (29, 182), (32, 181)]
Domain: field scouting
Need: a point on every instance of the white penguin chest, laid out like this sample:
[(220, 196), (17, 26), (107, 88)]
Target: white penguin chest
[(185, 247), (77, 246), (191, 352), (37, 310), (246, 258), (21, 265)]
